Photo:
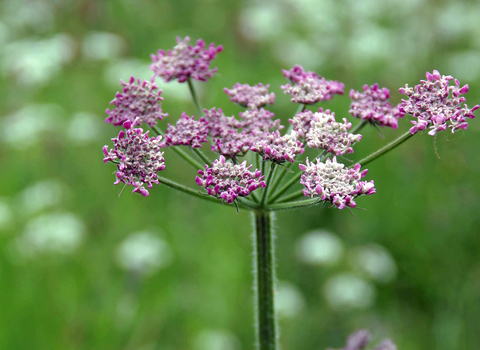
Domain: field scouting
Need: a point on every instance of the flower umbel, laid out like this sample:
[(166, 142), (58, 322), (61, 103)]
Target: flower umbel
[(138, 158), (227, 180), (277, 148), (251, 96), (333, 182), (185, 61), (326, 133), (372, 104), (137, 100), (309, 88), (187, 132), (255, 121), (437, 104)]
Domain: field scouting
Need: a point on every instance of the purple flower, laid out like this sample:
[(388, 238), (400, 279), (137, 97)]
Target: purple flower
[(138, 158), (251, 96), (333, 182), (227, 180), (308, 87), (185, 61), (360, 339), (437, 104), (255, 121), (140, 100), (187, 131), (301, 122), (277, 148), (232, 143), (373, 105), (218, 123), (326, 133)]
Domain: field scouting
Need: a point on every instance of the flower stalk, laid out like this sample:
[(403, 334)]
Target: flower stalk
[(386, 148), (265, 281)]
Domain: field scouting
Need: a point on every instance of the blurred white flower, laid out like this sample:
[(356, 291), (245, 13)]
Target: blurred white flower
[(103, 45), (375, 261), (35, 62), (216, 340), (289, 300), (348, 291), (125, 68), (6, 214), (319, 247), (43, 194), (84, 127), (143, 252), (25, 127), (58, 233)]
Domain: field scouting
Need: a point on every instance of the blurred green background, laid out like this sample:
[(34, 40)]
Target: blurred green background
[(81, 268)]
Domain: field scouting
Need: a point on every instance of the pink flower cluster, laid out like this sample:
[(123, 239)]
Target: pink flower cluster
[(333, 182), (326, 133), (227, 180), (139, 100), (232, 137), (301, 122), (372, 104), (138, 158), (308, 87), (250, 96), (185, 61), (437, 104), (277, 148), (187, 131), (360, 339)]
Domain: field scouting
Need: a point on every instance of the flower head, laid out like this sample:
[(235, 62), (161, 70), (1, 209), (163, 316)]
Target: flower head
[(277, 148), (333, 182), (187, 131), (308, 87), (326, 133), (185, 61), (138, 158), (137, 100), (218, 123), (227, 180), (250, 96), (373, 105), (255, 121), (301, 122), (437, 104), (232, 143)]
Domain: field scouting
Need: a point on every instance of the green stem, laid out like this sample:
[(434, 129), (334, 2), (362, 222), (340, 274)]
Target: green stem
[(386, 148), (278, 178), (196, 101), (291, 196), (179, 151), (244, 203), (265, 281), (202, 156), (285, 187), (269, 179), (291, 205), (358, 127)]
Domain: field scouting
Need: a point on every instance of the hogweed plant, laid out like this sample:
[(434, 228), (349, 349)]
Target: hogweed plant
[(254, 169)]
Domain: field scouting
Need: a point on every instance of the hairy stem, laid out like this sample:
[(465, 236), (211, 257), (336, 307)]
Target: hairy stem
[(291, 205), (295, 195), (196, 101), (269, 180), (179, 151), (245, 204), (265, 281), (386, 148), (202, 156)]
